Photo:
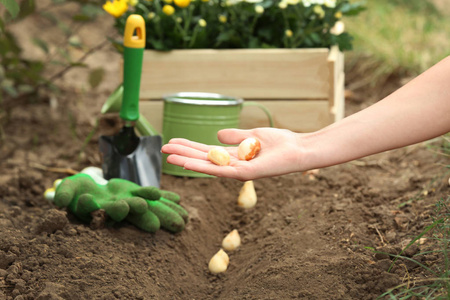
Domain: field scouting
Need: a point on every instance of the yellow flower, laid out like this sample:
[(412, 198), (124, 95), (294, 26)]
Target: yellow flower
[(222, 19), (151, 15), (338, 15), (259, 9), (283, 5), (318, 10), (179, 20), (288, 33), (168, 10), (133, 2), (330, 3), (202, 23), (116, 8), (182, 3)]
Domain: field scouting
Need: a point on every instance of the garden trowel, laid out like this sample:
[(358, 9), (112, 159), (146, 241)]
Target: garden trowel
[(126, 155)]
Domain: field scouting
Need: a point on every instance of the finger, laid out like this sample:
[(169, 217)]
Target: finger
[(233, 136), (178, 160), (147, 221), (117, 210), (85, 205), (169, 219), (137, 205), (184, 151), (177, 208), (169, 195), (211, 169), (190, 144), (65, 193), (148, 192)]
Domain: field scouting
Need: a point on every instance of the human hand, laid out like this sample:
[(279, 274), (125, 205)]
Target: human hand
[(121, 198), (280, 154)]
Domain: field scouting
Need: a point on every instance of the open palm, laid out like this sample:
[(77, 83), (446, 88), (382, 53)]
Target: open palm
[(280, 154)]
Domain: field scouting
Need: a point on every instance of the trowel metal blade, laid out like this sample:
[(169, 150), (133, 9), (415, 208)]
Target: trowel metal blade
[(143, 166)]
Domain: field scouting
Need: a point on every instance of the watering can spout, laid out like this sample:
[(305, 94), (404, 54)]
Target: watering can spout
[(114, 103)]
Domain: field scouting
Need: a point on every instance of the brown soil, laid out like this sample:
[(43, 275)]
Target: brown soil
[(306, 238)]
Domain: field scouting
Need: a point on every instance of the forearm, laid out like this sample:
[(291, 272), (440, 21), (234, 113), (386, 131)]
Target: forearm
[(416, 112)]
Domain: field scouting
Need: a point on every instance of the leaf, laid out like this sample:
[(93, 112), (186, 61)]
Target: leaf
[(12, 7), (11, 91), (65, 28), (96, 77), (25, 88), (344, 40), (254, 43), (352, 9), (224, 37), (157, 45), (41, 44), (49, 16), (75, 41), (315, 38), (64, 54), (26, 8), (81, 18)]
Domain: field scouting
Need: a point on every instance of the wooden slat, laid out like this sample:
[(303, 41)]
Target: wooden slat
[(247, 73), (296, 115), (338, 109), (335, 67)]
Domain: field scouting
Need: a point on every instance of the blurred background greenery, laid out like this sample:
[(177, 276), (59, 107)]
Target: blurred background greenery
[(400, 38), (392, 39)]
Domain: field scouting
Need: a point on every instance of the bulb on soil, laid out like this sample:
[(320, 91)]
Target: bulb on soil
[(232, 241), (219, 262), (247, 196), (219, 156), (248, 148)]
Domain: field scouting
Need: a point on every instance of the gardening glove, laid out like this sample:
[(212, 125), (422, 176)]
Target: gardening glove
[(121, 198), (82, 195), (163, 213)]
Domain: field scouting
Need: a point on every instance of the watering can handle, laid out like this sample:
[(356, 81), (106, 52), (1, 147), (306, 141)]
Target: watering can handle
[(264, 109)]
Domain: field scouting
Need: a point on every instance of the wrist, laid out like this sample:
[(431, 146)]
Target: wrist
[(307, 154)]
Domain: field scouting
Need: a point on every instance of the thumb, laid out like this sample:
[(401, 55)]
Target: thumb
[(233, 136), (65, 193)]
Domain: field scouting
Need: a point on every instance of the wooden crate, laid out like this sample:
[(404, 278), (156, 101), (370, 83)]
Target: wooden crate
[(302, 88)]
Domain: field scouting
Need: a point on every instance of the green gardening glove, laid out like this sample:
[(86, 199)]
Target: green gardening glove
[(121, 199), (165, 213)]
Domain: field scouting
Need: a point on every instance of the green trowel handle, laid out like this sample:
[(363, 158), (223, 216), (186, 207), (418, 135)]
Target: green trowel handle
[(132, 68), (134, 44)]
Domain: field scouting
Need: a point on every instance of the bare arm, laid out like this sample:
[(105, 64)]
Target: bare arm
[(416, 112)]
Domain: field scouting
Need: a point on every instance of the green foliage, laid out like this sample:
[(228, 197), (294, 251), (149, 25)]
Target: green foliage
[(228, 24), (437, 283), (11, 6), (20, 76), (396, 37)]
